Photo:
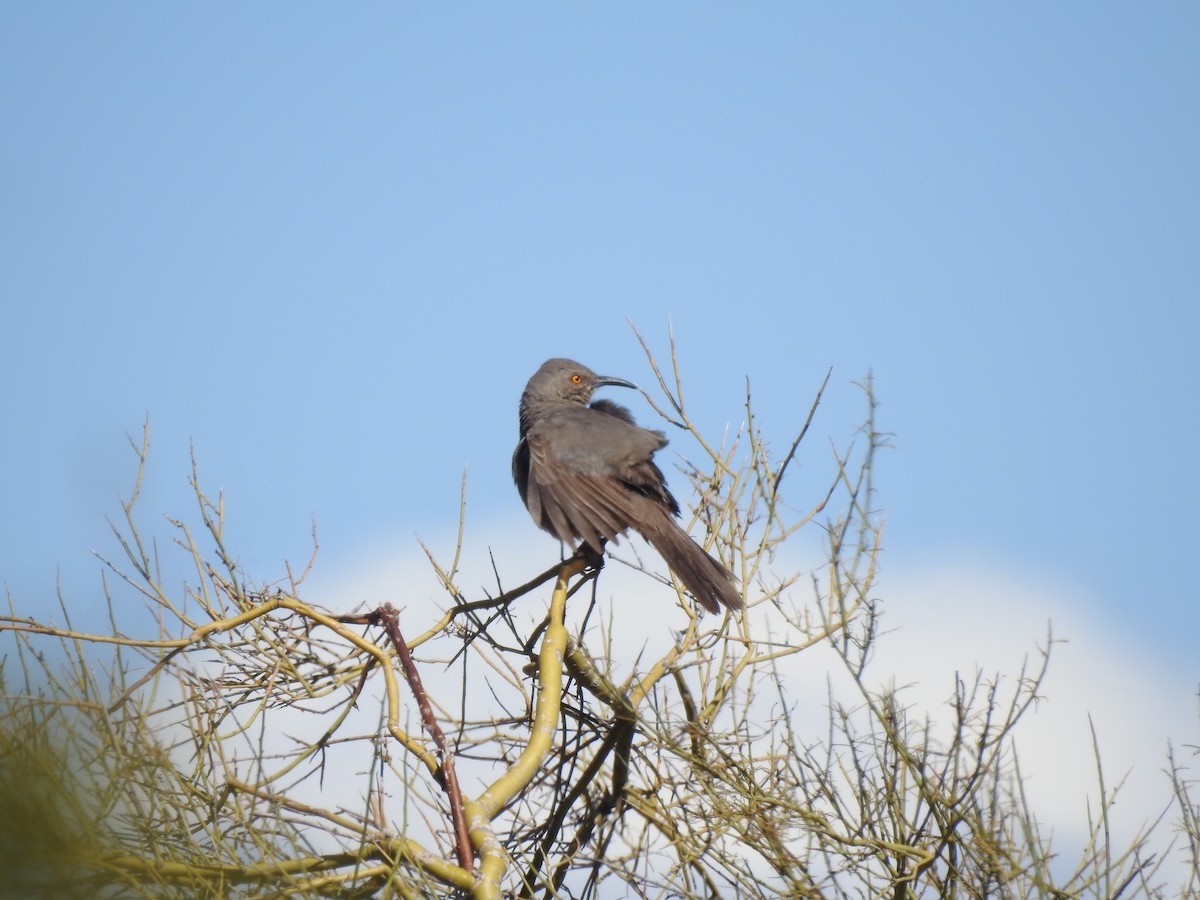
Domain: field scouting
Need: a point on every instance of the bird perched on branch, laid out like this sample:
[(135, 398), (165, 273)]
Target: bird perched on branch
[(586, 473)]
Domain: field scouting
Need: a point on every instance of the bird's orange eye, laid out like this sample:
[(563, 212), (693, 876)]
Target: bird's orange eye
[(576, 379)]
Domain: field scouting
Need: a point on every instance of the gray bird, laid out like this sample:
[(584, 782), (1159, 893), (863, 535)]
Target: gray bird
[(586, 474)]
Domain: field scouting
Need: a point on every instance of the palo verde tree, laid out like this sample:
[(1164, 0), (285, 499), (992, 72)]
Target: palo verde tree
[(246, 743)]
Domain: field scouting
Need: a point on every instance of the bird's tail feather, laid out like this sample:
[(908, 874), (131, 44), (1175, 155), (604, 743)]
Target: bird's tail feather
[(708, 581)]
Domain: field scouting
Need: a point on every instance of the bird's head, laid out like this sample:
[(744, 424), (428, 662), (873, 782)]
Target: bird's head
[(566, 381)]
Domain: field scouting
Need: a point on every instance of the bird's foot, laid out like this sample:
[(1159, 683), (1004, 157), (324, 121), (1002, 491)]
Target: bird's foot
[(592, 558)]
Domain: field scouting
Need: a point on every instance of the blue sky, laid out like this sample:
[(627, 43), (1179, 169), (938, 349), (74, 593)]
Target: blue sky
[(326, 246)]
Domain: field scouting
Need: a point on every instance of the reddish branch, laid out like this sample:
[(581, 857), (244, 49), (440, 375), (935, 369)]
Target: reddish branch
[(389, 618)]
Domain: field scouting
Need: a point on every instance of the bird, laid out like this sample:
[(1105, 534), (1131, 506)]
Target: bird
[(586, 474)]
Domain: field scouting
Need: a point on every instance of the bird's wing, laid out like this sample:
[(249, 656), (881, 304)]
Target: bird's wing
[(599, 443), (570, 504)]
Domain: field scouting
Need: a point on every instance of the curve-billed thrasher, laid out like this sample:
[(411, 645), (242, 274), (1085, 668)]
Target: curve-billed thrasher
[(586, 474)]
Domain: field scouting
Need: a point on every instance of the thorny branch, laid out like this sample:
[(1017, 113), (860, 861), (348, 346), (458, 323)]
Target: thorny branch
[(389, 618)]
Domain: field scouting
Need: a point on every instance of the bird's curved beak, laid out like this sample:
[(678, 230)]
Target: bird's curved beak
[(603, 380)]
